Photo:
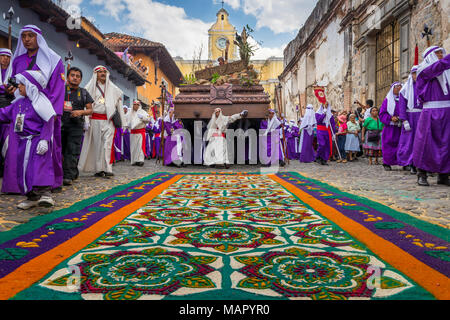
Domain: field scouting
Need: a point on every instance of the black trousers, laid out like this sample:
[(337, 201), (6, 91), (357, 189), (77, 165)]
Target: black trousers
[(71, 139)]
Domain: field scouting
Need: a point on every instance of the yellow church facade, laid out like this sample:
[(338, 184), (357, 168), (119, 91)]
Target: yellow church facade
[(221, 32)]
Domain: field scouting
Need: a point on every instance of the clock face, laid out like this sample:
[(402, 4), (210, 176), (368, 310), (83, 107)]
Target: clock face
[(221, 43)]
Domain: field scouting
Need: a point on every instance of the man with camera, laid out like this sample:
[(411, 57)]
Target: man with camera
[(77, 105)]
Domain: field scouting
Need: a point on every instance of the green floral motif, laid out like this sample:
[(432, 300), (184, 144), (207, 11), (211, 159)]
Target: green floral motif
[(174, 216), (65, 226), (388, 225), (443, 255), (299, 273), (130, 275), (226, 237), (125, 233), (323, 233), (278, 216), (12, 253)]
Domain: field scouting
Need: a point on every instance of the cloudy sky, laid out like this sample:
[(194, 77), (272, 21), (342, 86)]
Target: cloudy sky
[(182, 25)]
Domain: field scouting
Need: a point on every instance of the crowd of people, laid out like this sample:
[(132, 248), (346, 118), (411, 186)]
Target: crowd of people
[(52, 129)]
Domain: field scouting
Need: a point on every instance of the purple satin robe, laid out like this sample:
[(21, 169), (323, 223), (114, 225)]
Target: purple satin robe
[(390, 136), (431, 150), (39, 170), (170, 142), (324, 143), (307, 153), (118, 145), (157, 139), (406, 143), (266, 145), (55, 92)]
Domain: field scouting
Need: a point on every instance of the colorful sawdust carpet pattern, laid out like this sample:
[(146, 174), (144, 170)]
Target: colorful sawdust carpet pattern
[(225, 236)]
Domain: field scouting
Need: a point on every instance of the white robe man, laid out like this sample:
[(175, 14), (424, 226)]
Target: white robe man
[(97, 153), (216, 152), (137, 121)]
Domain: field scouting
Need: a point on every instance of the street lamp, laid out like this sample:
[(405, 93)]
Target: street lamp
[(9, 16)]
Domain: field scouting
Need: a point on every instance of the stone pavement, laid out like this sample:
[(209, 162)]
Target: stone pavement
[(396, 189)]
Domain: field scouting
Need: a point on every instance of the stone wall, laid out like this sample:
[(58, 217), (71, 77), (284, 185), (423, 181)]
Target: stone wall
[(337, 47)]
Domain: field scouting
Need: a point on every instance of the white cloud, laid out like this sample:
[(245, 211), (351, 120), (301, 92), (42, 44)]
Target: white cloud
[(169, 25), (263, 53), (110, 7), (166, 24), (235, 4), (279, 15)]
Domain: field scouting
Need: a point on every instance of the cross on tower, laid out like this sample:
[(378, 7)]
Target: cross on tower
[(222, 4)]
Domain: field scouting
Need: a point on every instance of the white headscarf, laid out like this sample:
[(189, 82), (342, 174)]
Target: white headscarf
[(408, 90), (429, 58), (112, 93), (217, 123), (167, 117), (133, 116), (46, 58), (391, 99), (272, 124), (6, 52), (309, 120), (35, 82), (328, 116)]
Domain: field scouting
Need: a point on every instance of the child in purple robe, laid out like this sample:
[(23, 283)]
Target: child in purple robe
[(390, 137), (431, 151), (28, 165), (306, 148), (409, 113), (173, 143)]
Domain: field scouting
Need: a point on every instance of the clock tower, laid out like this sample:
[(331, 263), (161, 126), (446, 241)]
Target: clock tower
[(219, 33)]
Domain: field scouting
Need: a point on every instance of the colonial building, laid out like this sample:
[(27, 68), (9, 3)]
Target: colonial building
[(81, 38), (153, 56), (357, 48), (221, 32)]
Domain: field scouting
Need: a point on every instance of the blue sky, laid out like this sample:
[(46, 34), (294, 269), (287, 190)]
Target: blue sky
[(182, 25)]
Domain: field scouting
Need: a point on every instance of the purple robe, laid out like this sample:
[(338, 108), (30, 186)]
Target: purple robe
[(55, 92), (307, 153), (324, 137), (292, 135), (170, 142), (126, 153), (118, 145), (148, 141), (390, 136), (39, 170), (266, 145), (157, 139), (406, 143), (431, 151)]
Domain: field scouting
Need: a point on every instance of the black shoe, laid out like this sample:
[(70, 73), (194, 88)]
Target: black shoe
[(407, 168), (413, 170), (67, 182), (323, 162), (57, 190), (422, 181), (140, 164), (99, 174), (443, 179), (282, 163), (227, 166), (109, 174), (387, 167)]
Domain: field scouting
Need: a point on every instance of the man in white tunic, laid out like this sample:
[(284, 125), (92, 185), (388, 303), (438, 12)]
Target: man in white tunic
[(138, 120), (216, 152), (97, 153)]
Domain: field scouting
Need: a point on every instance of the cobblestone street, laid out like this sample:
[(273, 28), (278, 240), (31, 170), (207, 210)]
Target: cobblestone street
[(396, 189)]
